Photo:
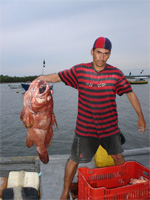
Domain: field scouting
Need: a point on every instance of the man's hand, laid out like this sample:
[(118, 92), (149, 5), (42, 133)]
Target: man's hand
[(136, 105), (141, 124)]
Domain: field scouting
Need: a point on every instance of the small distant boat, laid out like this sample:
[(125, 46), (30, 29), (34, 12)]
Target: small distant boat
[(13, 86), (138, 80), (25, 86)]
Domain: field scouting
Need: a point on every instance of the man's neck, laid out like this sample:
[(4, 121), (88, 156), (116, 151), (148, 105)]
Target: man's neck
[(98, 68)]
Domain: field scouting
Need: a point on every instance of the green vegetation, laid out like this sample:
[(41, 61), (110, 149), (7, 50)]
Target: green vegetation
[(15, 79)]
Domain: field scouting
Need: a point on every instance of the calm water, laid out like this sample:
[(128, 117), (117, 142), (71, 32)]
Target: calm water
[(13, 133)]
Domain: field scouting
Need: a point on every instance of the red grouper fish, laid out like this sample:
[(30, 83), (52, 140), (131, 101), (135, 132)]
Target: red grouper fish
[(38, 117)]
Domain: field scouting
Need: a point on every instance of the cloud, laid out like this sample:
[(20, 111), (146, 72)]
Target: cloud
[(64, 35)]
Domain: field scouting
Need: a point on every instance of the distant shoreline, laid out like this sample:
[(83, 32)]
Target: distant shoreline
[(17, 79), (137, 76)]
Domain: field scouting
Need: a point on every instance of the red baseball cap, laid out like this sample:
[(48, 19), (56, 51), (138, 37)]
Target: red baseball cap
[(102, 42)]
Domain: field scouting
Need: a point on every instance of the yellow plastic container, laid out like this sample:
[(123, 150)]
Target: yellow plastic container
[(102, 159), (23, 179)]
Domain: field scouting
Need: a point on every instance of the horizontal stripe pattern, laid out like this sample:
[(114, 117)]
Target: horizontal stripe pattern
[(97, 110)]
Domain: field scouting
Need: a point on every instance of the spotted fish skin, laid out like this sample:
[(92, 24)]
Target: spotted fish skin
[(38, 117)]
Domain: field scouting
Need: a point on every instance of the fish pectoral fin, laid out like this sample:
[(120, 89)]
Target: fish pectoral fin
[(22, 113), (28, 120)]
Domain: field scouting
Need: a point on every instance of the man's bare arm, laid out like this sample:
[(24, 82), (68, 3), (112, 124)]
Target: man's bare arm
[(136, 105), (51, 78)]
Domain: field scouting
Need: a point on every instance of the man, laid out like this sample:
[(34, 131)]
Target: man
[(97, 121)]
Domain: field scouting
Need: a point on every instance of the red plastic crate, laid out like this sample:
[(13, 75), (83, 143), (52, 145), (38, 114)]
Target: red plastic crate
[(112, 183)]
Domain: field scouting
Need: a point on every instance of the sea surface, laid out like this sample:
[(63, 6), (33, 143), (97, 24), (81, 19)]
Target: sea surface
[(13, 133)]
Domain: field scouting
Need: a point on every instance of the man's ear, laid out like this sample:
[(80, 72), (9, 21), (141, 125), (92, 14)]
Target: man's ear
[(91, 52)]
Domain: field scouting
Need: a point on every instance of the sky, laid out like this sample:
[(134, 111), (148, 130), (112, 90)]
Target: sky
[(62, 33)]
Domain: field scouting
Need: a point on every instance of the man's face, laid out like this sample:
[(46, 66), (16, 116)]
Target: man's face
[(100, 57)]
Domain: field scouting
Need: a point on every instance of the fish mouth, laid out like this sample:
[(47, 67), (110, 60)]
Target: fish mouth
[(42, 88)]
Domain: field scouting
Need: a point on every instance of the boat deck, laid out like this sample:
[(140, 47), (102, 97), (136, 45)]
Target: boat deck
[(52, 174), (26, 163)]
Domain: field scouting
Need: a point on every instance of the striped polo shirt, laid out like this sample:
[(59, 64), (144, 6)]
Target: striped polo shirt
[(97, 110)]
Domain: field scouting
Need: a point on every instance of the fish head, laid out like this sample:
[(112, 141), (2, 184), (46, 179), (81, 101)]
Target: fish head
[(41, 96)]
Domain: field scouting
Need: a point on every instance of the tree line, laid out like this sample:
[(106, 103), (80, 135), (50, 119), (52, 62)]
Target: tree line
[(15, 79)]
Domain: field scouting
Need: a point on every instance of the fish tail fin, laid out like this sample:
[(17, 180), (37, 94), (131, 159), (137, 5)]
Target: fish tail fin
[(44, 157)]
